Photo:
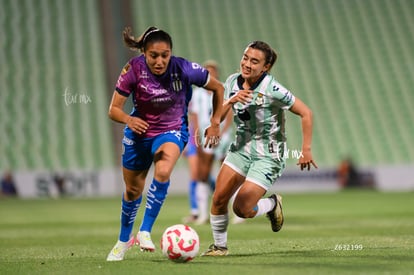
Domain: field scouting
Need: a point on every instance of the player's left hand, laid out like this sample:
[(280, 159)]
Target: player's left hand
[(212, 134), (306, 160)]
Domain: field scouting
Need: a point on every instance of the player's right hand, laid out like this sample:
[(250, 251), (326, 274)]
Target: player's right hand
[(137, 125), (242, 96)]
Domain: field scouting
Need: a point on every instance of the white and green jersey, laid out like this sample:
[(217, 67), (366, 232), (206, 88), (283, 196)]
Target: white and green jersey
[(260, 125)]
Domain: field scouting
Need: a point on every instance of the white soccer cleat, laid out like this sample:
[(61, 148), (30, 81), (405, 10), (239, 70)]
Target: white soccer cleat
[(118, 251), (202, 220), (144, 241)]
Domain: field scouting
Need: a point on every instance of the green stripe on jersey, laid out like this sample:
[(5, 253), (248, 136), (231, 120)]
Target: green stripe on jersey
[(260, 125)]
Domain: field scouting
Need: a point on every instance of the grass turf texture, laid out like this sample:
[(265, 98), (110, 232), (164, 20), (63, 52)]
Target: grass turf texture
[(322, 234)]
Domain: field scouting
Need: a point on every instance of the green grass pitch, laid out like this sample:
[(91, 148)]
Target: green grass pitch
[(349, 232)]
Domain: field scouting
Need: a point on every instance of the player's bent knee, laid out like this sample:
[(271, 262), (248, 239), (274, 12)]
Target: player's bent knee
[(162, 173), (242, 212), (132, 192)]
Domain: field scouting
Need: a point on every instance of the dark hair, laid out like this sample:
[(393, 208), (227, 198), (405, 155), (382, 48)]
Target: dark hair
[(151, 35), (270, 54)]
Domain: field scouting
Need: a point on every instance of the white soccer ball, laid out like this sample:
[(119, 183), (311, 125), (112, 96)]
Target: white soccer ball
[(180, 243)]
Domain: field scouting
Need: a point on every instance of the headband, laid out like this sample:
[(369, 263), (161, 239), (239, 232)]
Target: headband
[(148, 33)]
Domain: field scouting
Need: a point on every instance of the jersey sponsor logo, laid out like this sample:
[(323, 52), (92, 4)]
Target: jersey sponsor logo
[(127, 141), (287, 97), (159, 91), (243, 115), (144, 87), (143, 75), (196, 66), (161, 101), (161, 98), (176, 133)]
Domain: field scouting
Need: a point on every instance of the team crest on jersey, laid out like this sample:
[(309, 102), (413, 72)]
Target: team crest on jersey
[(176, 83), (259, 99)]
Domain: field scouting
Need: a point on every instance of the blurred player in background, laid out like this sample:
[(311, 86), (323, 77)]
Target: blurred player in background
[(200, 110), (157, 128), (190, 152), (256, 158), (8, 185)]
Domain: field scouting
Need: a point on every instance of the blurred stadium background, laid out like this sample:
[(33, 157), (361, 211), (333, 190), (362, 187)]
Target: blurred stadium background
[(351, 61)]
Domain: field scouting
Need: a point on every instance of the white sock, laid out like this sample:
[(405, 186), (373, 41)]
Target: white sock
[(264, 206), (202, 195), (236, 218), (219, 225)]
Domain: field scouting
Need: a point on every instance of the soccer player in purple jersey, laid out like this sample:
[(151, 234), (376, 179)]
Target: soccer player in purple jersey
[(157, 128)]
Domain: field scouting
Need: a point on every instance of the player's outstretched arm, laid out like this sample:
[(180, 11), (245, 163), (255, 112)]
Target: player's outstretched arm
[(212, 133), (299, 108)]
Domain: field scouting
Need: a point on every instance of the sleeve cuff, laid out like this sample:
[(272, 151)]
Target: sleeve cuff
[(123, 93)]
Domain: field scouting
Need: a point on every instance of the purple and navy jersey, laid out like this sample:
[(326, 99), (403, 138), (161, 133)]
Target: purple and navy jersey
[(162, 101)]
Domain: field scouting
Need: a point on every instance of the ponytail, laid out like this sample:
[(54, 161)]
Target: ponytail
[(152, 34)]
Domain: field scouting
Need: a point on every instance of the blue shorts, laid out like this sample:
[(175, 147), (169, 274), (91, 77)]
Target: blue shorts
[(139, 152)]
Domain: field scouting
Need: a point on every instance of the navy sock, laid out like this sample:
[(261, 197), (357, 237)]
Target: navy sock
[(155, 198), (128, 214)]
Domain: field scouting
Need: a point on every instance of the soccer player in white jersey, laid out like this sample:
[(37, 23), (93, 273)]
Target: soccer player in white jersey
[(256, 157), (200, 109)]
